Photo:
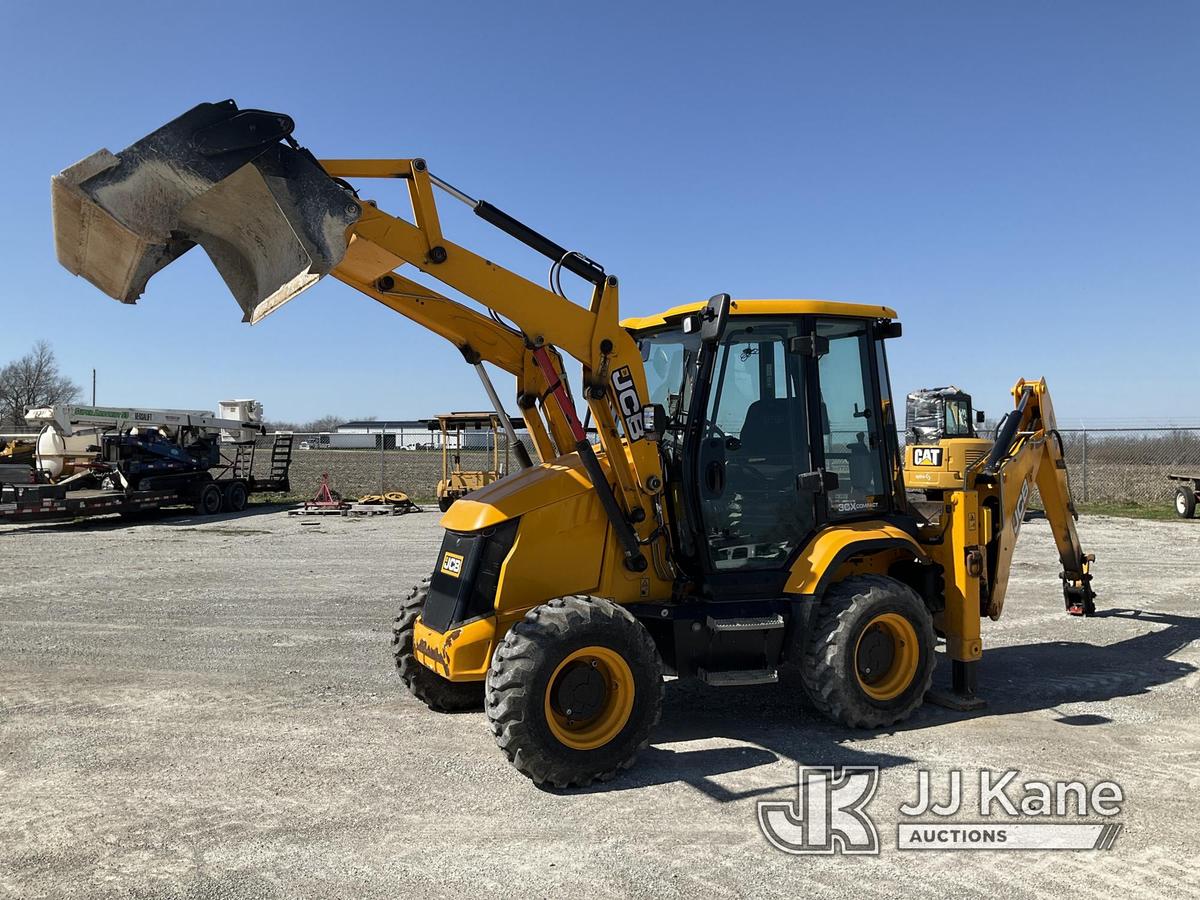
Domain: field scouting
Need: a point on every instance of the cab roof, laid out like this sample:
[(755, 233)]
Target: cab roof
[(766, 307)]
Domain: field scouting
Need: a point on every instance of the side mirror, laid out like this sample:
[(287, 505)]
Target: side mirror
[(979, 417), (711, 320), (888, 329), (814, 345), (654, 421)]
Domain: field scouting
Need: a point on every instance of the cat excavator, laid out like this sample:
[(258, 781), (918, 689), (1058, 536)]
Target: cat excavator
[(741, 509)]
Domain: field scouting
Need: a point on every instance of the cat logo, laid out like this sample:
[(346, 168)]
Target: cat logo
[(927, 456), (452, 564)]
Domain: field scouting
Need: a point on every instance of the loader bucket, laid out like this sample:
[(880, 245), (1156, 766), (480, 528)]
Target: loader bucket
[(270, 218)]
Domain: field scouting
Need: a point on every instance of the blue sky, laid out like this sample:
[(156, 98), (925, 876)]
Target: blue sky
[(1020, 180)]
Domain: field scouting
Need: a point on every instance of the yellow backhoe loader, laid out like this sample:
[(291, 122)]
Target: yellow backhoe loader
[(742, 508)]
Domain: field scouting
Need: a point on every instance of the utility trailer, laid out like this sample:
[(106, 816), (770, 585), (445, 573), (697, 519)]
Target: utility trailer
[(97, 492)]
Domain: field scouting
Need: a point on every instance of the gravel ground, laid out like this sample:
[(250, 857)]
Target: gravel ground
[(207, 709)]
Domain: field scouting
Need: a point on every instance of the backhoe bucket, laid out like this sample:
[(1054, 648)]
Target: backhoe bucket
[(270, 218)]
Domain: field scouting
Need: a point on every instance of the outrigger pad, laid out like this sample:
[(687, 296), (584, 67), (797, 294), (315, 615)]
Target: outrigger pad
[(270, 218)]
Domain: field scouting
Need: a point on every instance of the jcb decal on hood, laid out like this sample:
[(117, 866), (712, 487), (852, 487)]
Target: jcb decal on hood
[(629, 404), (927, 456), (452, 564)]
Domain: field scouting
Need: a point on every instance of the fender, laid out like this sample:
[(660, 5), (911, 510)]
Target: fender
[(820, 560)]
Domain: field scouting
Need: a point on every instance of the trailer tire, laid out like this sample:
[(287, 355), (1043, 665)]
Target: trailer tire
[(1185, 503), (208, 500), (236, 495), (436, 692), (869, 657)]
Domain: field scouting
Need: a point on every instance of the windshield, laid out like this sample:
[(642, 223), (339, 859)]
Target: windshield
[(958, 419), (664, 357)]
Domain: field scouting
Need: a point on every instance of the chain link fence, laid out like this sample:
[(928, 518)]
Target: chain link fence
[(1107, 465), (1128, 465), (402, 460)]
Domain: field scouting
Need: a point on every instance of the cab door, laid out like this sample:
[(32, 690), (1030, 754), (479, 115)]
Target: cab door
[(853, 444), (755, 445)]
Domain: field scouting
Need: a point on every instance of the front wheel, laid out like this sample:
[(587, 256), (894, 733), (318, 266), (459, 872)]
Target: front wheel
[(574, 690), (869, 655), (436, 692)]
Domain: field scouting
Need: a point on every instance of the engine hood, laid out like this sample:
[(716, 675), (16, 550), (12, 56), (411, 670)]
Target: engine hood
[(519, 493)]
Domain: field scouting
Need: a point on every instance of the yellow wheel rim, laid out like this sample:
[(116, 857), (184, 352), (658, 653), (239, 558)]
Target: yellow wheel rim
[(589, 698), (886, 656)]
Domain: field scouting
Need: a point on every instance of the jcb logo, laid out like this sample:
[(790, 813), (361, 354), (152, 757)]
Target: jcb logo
[(828, 815), (452, 564), (629, 404), (927, 456), (1019, 512)]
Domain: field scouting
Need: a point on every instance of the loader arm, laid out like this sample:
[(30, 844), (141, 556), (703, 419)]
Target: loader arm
[(1028, 452), (274, 221)]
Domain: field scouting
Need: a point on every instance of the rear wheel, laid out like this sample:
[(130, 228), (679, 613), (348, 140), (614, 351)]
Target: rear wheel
[(869, 658), (236, 496), (436, 692), (1185, 503), (444, 503), (208, 500), (574, 690)]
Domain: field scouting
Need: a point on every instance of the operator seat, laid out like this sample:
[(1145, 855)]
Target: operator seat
[(761, 469)]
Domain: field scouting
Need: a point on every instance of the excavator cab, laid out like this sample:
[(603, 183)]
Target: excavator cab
[(942, 442)]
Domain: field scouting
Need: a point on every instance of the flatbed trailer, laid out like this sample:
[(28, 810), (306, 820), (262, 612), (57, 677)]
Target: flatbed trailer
[(23, 500)]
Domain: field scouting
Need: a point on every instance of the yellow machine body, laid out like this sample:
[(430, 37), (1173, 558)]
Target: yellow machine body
[(607, 518), (943, 466)]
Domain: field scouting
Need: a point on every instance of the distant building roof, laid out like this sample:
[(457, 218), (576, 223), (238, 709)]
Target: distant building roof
[(377, 424)]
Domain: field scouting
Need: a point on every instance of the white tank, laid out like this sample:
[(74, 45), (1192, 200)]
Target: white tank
[(241, 411), (59, 455)]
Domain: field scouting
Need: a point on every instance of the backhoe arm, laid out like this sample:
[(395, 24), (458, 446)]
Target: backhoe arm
[(1028, 452)]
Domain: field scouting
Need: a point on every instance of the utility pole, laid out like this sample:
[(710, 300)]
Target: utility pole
[(93, 387)]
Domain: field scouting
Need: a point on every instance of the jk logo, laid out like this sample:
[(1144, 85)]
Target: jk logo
[(828, 815)]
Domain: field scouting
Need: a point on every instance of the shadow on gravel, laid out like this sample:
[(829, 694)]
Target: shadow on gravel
[(1028, 677), (174, 517), (774, 724)]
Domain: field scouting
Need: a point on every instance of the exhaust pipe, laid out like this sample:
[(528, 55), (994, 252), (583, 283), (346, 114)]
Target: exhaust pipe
[(233, 181)]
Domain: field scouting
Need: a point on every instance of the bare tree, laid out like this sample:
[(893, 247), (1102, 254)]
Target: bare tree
[(325, 423), (33, 380)]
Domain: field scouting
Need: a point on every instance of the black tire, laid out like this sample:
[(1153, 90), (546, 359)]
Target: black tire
[(519, 690), (1185, 503), (430, 688), (444, 503), (836, 666), (208, 500), (236, 496)]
